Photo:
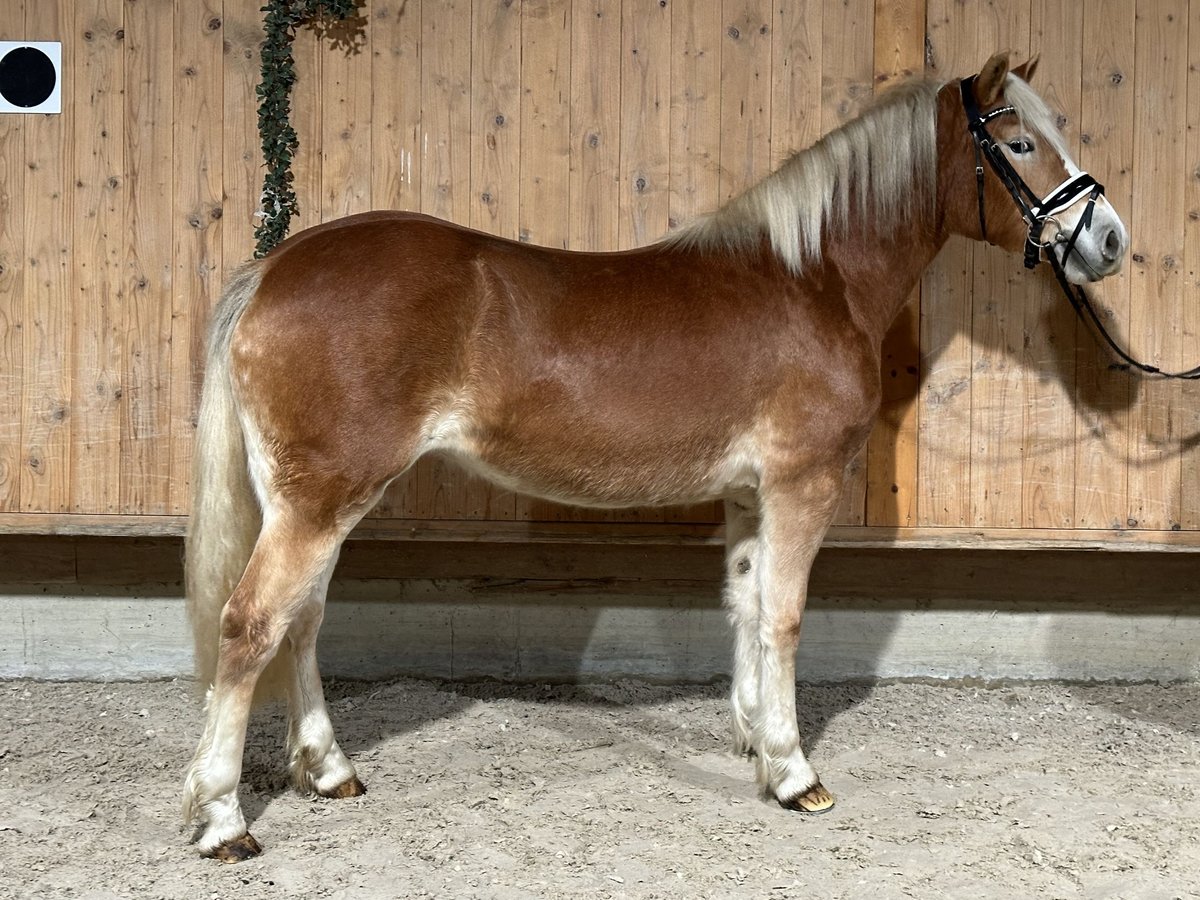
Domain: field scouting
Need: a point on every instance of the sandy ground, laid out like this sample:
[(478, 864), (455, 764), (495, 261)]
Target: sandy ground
[(621, 790)]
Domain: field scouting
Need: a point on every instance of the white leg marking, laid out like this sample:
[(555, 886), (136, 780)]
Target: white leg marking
[(210, 789), (742, 598), (317, 762)]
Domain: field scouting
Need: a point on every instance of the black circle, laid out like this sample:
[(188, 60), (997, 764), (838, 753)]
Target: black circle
[(27, 77)]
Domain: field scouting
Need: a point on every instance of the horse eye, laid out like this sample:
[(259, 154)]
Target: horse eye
[(1020, 145)]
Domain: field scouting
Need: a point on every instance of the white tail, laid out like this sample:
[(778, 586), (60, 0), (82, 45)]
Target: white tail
[(225, 518)]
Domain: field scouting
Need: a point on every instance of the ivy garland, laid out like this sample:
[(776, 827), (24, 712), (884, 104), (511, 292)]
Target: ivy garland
[(279, 141)]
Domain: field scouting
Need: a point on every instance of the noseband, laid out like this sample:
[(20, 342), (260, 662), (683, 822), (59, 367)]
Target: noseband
[(1038, 212)]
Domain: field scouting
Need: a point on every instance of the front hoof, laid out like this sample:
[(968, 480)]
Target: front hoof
[(815, 800), (352, 787), (237, 850)]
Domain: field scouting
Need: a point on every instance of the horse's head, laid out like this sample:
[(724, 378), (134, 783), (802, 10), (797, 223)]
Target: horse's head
[(1014, 181)]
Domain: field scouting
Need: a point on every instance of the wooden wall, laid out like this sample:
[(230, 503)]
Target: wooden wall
[(593, 124)]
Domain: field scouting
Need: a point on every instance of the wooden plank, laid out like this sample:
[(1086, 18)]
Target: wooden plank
[(145, 448), (595, 125), (891, 469), (944, 404), (545, 210), (196, 224), (1102, 395), (496, 117), (396, 104), (696, 91), (646, 533), (13, 278), (745, 86), (46, 390), (1159, 165), (98, 295), (796, 61), (1062, 578), (1189, 410), (446, 111), (645, 122), (847, 77), (36, 559), (1048, 475), (1000, 288), (242, 162), (345, 119)]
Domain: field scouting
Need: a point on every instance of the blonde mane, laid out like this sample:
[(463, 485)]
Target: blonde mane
[(886, 159)]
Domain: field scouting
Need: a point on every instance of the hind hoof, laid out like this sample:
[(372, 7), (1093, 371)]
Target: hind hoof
[(237, 850), (349, 788), (815, 800)]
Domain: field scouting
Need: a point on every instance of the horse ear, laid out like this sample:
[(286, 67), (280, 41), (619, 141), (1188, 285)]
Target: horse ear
[(1026, 69), (990, 82)]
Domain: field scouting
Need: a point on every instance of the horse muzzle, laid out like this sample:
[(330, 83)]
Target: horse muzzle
[(1100, 246)]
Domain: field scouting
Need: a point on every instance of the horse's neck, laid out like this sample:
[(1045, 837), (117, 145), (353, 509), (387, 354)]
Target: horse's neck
[(880, 272)]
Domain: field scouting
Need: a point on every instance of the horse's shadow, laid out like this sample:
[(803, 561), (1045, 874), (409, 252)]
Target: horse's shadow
[(368, 714)]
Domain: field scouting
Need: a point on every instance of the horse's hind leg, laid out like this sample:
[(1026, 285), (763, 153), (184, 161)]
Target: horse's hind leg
[(290, 562), (317, 763), (742, 600)]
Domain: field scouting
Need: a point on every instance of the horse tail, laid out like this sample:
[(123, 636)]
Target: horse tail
[(225, 517)]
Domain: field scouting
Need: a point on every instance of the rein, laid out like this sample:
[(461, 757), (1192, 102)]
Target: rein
[(1037, 212)]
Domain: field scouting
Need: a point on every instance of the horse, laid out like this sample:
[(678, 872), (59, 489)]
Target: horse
[(737, 359)]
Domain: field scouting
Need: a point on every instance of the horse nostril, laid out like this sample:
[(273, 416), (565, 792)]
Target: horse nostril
[(1111, 248)]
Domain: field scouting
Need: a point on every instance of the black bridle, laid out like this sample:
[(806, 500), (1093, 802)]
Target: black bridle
[(1038, 212)]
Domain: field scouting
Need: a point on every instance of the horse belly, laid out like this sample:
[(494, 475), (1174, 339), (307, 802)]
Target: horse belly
[(586, 461)]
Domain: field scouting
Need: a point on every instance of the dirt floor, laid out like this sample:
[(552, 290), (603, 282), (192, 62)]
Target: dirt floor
[(621, 790)]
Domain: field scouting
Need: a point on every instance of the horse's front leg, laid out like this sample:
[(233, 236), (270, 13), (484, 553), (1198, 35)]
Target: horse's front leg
[(795, 515)]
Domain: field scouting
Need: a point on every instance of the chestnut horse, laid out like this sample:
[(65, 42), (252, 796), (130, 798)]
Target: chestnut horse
[(737, 359)]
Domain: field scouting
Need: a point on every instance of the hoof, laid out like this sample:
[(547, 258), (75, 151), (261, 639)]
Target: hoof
[(237, 850), (815, 800), (351, 788)]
